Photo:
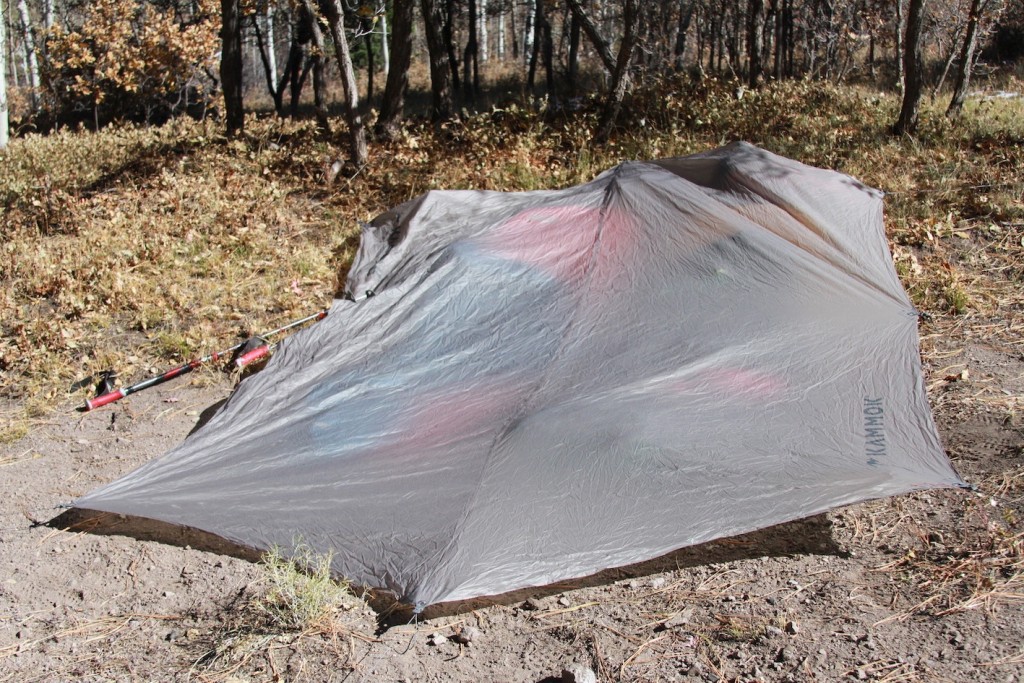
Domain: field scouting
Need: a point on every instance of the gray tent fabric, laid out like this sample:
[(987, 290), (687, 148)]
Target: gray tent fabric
[(524, 388)]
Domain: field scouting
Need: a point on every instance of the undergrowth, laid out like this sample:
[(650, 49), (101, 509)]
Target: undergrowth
[(299, 592), (295, 599), (136, 248)]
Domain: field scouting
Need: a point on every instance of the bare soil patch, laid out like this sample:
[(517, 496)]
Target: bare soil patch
[(921, 587)]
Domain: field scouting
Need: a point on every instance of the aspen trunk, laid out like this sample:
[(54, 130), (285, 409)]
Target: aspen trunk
[(963, 74), (356, 130), (3, 80)]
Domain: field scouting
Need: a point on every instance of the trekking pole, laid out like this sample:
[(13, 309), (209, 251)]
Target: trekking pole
[(118, 394)]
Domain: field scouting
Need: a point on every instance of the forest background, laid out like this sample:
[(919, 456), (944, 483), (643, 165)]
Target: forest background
[(182, 173)]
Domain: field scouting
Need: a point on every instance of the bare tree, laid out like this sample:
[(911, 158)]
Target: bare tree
[(28, 34), (385, 52), (318, 62), (755, 40), (619, 67), (3, 80), (685, 16), (963, 74), (231, 65), (271, 45), (440, 70), (392, 106), (470, 56), (334, 13), (900, 45), (542, 47), (913, 70), (594, 34)]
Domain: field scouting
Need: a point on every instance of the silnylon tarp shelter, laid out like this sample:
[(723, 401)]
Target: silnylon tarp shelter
[(523, 388)]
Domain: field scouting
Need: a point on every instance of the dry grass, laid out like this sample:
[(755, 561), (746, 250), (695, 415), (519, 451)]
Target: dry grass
[(296, 599), (137, 248), (978, 566)]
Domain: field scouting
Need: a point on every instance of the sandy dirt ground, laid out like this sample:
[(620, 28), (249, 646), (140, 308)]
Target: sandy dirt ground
[(923, 587)]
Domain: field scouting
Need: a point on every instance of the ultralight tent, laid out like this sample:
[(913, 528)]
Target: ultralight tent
[(523, 388)]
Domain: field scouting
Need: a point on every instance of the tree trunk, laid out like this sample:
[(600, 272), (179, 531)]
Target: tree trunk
[(755, 40), (871, 54), (448, 34), (685, 16), (334, 13), (574, 55), (963, 74), (266, 52), (542, 47), (391, 110), (548, 48), (12, 59), (501, 33), (292, 74), (528, 30), (440, 70), (620, 75), (231, 65), (470, 67), (385, 53), (29, 38), (4, 125), (515, 35), (948, 64), (482, 23), (594, 34), (370, 67), (318, 62), (271, 45), (900, 60), (913, 70)]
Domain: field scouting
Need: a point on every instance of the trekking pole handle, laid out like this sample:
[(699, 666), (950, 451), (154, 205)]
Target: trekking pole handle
[(109, 397), (255, 354)]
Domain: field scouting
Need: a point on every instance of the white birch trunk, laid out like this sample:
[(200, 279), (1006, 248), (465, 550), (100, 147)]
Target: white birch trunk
[(482, 23), (32, 61), (12, 57), (384, 53), (528, 34), (271, 47), (501, 36)]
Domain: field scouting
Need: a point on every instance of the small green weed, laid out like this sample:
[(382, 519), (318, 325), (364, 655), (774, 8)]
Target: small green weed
[(300, 592)]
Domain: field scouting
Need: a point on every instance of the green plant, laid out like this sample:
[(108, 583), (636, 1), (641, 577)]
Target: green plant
[(300, 592)]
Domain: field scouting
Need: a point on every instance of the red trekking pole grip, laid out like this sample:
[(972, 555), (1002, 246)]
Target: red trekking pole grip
[(255, 354), (99, 401)]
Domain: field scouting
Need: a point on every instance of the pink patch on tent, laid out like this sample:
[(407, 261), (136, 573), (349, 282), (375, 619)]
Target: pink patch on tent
[(458, 409), (563, 241)]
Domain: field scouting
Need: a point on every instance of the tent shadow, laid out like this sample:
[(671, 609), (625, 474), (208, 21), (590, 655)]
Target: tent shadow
[(205, 416), (810, 536)]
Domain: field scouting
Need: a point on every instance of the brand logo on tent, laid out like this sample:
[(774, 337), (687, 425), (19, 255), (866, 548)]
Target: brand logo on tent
[(874, 429)]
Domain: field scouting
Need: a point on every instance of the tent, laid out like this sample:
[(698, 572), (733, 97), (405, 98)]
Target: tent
[(522, 388)]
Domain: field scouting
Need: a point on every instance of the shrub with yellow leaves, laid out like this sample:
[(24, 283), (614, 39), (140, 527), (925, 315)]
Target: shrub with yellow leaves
[(129, 60)]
